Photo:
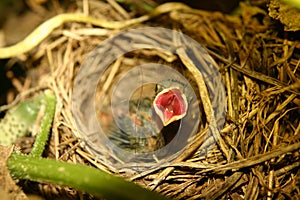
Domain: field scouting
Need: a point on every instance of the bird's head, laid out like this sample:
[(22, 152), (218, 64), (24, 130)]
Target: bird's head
[(170, 105)]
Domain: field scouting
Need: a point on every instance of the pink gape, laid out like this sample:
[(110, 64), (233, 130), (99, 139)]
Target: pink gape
[(170, 105)]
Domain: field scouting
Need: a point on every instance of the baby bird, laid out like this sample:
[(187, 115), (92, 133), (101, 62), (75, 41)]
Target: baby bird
[(142, 130)]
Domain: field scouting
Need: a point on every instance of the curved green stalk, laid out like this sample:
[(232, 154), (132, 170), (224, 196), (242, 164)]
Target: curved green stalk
[(83, 178), (42, 136)]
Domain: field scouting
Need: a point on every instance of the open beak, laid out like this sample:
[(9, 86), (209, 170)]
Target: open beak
[(170, 105)]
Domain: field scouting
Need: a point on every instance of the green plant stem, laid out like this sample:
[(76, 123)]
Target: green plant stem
[(83, 178), (42, 136)]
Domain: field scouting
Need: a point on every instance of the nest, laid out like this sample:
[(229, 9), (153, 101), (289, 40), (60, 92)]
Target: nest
[(257, 154)]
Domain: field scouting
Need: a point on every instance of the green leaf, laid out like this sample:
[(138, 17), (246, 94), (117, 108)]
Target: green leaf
[(19, 119)]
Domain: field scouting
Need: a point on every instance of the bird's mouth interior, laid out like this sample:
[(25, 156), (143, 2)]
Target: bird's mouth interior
[(171, 105)]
